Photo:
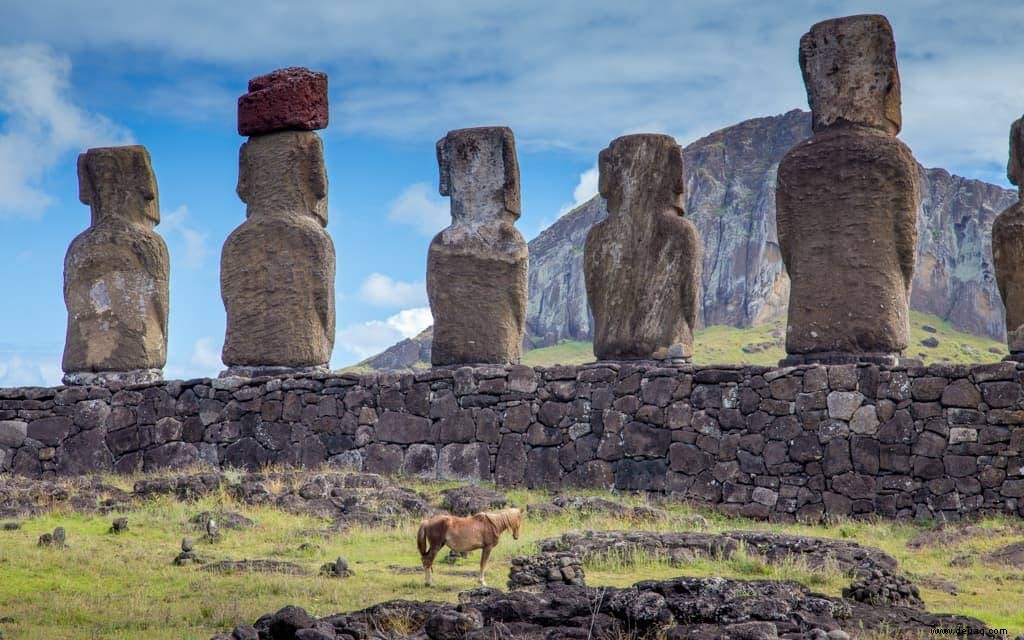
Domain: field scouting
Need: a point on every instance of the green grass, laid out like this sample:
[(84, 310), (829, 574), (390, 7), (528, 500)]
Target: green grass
[(121, 587), (766, 346)]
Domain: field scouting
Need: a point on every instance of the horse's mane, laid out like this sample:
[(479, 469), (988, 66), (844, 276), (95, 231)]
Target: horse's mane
[(503, 519)]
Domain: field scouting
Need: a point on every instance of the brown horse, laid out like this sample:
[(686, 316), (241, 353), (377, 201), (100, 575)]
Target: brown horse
[(480, 531)]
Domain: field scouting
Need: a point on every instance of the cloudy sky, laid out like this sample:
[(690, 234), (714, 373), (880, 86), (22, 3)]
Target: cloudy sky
[(566, 76)]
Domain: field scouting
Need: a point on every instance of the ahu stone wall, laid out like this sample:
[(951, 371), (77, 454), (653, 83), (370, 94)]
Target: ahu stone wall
[(797, 443)]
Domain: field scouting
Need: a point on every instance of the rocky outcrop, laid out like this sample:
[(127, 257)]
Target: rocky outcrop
[(676, 609), (116, 273), (642, 263)]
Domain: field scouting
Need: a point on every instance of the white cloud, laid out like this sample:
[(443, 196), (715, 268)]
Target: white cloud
[(586, 188), (193, 242), (419, 206), (370, 338), (381, 291), (206, 356), (29, 369), (42, 125)]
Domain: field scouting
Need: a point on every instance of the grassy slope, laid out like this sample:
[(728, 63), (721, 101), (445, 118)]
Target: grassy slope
[(121, 587), (721, 344)]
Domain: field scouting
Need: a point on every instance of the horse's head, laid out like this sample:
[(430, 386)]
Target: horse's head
[(515, 520)]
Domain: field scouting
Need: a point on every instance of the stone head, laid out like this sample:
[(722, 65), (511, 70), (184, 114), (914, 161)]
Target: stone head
[(1015, 168), (118, 182), (849, 69), (480, 172), (642, 172), (282, 173)]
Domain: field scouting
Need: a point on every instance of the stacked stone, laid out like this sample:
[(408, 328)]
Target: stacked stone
[(1008, 248), (277, 268), (803, 443), (642, 263), (116, 274), (539, 571), (476, 268), (847, 202)]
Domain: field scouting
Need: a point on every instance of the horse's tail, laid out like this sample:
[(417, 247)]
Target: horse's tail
[(421, 539)]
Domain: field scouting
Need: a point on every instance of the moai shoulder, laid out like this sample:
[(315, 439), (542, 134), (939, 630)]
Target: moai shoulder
[(1008, 248), (642, 264), (477, 267), (116, 273)]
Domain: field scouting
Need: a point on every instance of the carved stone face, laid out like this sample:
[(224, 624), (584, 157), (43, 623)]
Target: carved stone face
[(1015, 168), (849, 68), (282, 173), (119, 182), (480, 173), (642, 173)]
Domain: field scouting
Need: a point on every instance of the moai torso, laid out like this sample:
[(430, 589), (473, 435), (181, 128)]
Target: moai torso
[(642, 264), (1008, 248), (477, 267), (847, 201), (116, 272), (277, 267)]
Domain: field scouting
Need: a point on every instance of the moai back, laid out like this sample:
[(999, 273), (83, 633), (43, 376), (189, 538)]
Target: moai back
[(116, 273), (1008, 249), (847, 201), (642, 263), (277, 267), (477, 267)]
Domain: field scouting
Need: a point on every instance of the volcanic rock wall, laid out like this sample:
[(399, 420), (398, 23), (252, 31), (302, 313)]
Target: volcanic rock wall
[(804, 442)]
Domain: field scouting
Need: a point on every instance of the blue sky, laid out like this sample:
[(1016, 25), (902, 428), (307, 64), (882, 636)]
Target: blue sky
[(566, 76)]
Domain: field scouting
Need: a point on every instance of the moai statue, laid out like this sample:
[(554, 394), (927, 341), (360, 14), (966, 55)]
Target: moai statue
[(476, 268), (847, 202), (116, 273), (277, 268), (1008, 249), (642, 263)]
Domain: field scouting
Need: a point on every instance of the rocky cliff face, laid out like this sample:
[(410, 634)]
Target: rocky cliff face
[(730, 190)]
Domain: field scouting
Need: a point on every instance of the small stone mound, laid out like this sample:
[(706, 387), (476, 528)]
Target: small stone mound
[(471, 499), (11, 526), (543, 511), (337, 569), (57, 539), (224, 519), (931, 342), (119, 526), (257, 566), (884, 589), (928, 328), (536, 572), (1011, 555)]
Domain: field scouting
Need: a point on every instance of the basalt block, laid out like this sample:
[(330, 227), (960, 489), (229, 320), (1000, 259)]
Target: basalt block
[(116, 273), (847, 202), (277, 267), (477, 267), (1008, 249), (287, 99), (642, 264)]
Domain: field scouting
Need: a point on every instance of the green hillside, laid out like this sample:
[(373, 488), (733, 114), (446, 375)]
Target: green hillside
[(764, 345)]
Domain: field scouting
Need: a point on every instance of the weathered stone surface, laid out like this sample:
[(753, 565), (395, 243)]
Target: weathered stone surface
[(277, 267), (85, 452), (847, 201), (849, 67), (291, 98), (642, 264), (12, 433), (116, 271), (1008, 247), (476, 268)]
